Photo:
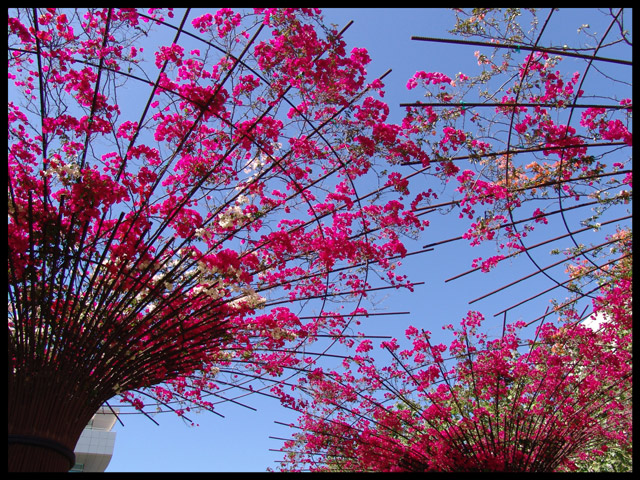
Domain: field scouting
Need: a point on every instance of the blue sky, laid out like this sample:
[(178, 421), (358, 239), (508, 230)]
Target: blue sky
[(240, 441)]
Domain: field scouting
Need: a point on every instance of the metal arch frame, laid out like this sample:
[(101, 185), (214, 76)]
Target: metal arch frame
[(72, 272), (509, 150)]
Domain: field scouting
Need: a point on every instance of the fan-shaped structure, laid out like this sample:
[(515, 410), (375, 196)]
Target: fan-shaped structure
[(190, 207), (534, 152)]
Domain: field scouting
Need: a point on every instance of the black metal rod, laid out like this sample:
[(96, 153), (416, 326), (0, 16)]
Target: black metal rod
[(516, 47)]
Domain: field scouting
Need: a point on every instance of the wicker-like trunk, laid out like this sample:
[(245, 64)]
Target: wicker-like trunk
[(46, 416)]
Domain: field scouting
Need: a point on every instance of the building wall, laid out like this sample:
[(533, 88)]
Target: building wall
[(95, 446)]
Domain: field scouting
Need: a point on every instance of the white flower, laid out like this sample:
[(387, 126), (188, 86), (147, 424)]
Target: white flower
[(203, 233), (226, 222), (197, 289), (250, 300)]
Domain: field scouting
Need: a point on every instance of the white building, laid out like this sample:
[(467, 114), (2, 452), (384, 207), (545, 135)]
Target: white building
[(95, 446), (595, 321)]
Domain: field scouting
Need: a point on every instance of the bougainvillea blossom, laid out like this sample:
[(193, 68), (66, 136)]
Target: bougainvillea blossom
[(522, 154), (172, 207), (479, 404)]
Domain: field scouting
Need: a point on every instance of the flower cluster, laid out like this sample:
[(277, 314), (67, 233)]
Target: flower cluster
[(533, 399), (488, 405), (158, 245), (497, 189)]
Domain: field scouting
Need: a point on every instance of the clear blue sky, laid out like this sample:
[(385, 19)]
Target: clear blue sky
[(240, 441)]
